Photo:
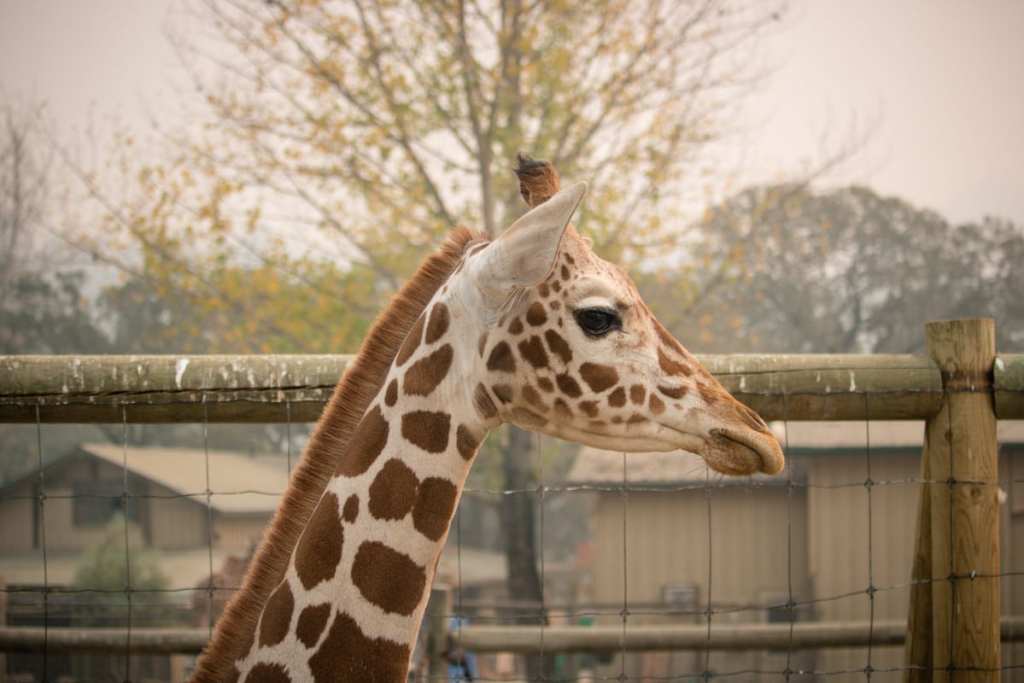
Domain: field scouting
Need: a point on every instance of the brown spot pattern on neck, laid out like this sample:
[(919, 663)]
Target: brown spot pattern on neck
[(366, 444), (277, 616), (425, 374), (434, 508), (362, 381), (319, 550), (426, 429), (387, 578), (311, 623), (393, 491), (411, 343), (346, 654), (268, 673), (438, 324)]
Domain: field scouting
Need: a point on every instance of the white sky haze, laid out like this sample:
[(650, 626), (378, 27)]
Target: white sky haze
[(939, 82)]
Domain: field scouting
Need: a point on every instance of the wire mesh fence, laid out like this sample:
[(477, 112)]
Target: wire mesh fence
[(648, 571)]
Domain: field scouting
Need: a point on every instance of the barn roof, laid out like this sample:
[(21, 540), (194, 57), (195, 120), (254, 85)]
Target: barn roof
[(240, 484), (595, 466)]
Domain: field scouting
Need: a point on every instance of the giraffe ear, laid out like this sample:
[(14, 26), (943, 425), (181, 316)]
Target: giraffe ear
[(525, 253)]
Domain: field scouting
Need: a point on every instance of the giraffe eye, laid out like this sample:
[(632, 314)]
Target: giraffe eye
[(597, 322)]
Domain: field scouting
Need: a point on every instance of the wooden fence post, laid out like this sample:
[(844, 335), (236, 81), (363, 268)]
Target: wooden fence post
[(963, 508)]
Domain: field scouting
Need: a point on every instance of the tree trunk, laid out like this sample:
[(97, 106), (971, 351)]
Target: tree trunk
[(518, 511)]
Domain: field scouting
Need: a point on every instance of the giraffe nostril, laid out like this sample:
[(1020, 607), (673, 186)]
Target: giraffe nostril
[(751, 418)]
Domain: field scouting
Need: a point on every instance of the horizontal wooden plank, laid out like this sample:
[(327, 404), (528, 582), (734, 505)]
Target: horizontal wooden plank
[(831, 386), (104, 640), (267, 388), (802, 636), (113, 376), (522, 639), (160, 389)]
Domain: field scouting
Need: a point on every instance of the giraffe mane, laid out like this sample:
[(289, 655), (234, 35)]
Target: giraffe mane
[(362, 380)]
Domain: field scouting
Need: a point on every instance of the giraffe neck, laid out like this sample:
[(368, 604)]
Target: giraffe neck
[(357, 585)]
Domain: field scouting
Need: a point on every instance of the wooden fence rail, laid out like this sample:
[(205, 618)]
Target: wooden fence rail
[(92, 389), (961, 389), (520, 639)]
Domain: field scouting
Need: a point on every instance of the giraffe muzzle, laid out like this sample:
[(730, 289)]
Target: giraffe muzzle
[(743, 452)]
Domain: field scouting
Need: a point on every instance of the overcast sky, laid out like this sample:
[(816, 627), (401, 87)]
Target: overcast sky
[(941, 83)]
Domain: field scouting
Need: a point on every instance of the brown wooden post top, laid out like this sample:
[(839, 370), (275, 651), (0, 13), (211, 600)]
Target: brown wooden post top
[(961, 454)]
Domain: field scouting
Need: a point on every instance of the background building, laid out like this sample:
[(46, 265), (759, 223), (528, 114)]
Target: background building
[(839, 519)]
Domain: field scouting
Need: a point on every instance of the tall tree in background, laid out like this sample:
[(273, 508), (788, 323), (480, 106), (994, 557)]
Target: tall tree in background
[(42, 306), (367, 129), (359, 132), (42, 309), (850, 271)]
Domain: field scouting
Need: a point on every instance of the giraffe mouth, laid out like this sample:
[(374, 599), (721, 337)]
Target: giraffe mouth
[(656, 438), (740, 452)]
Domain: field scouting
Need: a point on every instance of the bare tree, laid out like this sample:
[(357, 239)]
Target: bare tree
[(24, 169), (369, 128)]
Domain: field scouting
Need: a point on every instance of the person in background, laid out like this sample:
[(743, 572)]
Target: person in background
[(461, 664)]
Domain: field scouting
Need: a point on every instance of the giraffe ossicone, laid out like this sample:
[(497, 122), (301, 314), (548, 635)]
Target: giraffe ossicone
[(532, 328)]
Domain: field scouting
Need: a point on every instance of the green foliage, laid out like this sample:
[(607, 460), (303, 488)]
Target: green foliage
[(341, 141), (47, 314), (119, 560)]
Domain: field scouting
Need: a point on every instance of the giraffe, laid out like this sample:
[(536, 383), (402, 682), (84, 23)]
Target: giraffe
[(532, 328)]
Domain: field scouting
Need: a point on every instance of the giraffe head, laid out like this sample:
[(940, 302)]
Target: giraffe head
[(567, 347)]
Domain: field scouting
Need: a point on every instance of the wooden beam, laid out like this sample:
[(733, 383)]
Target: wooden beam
[(104, 640), (830, 386), (84, 389), (160, 389), (960, 446), (522, 639)]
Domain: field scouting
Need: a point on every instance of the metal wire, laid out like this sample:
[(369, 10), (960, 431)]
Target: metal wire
[(625, 562), (790, 611), (127, 543), (706, 674), (868, 484), (42, 534), (710, 611), (209, 517), (542, 616)]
